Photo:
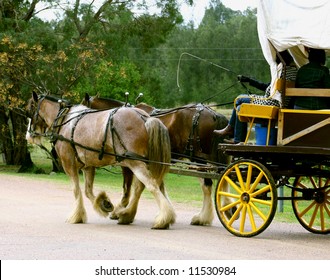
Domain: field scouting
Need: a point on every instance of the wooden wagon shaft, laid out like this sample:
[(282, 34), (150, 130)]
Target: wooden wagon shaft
[(195, 173)]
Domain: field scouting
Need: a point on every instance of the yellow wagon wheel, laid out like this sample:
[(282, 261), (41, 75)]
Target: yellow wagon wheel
[(246, 198), (313, 211)]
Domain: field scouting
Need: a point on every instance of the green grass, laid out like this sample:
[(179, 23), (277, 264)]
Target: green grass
[(181, 189)]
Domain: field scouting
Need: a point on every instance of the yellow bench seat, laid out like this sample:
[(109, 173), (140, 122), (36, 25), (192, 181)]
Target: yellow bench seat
[(248, 111), (254, 113)]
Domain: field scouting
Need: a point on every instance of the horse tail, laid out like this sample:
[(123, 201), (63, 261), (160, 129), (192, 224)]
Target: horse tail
[(220, 122), (159, 147)]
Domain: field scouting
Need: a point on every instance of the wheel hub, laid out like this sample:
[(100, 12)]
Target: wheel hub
[(245, 197), (319, 197)]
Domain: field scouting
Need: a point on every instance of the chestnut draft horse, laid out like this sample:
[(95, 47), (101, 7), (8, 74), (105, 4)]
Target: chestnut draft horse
[(85, 139), (191, 132)]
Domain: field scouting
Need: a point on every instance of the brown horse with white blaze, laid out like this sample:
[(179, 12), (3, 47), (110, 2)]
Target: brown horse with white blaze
[(191, 133), (85, 139)]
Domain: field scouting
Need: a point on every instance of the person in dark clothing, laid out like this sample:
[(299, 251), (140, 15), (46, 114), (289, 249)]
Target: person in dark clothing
[(313, 75)]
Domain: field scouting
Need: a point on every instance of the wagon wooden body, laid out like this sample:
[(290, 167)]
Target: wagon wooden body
[(300, 160)]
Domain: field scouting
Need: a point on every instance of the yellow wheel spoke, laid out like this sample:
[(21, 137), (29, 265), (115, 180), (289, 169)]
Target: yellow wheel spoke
[(240, 178), (234, 217), (233, 184), (229, 194), (253, 224), (261, 201), (256, 182), (248, 178), (312, 180), (258, 211), (299, 184), (327, 183), (307, 209), (243, 218), (262, 190), (314, 215), (229, 206), (322, 217), (327, 209)]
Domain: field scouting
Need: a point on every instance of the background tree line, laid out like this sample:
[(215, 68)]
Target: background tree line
[(111, 49)]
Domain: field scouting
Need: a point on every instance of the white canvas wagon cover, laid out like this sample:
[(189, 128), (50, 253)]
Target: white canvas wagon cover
[(293, 25)]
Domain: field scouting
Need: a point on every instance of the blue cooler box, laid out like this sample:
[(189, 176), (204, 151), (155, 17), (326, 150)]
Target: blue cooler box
[(261, 135)]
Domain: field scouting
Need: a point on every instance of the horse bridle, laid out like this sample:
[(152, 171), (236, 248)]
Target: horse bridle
[(34, 119), (36, 115)]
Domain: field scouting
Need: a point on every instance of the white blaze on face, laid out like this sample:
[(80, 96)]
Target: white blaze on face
[(32, 139), (28, 135)]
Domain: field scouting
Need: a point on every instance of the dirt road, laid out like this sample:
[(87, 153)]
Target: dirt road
[(32, 226)]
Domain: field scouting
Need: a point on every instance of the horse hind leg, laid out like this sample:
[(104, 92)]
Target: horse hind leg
[(166, 215), (101, 204), (128, 179), (206, 215), (126, 215)]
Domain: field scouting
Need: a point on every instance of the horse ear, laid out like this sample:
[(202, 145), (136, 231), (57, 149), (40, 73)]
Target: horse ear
[(35, 96), (87, 97)]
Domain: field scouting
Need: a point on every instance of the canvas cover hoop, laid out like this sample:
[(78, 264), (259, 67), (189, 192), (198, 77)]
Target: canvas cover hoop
[(292, 25)]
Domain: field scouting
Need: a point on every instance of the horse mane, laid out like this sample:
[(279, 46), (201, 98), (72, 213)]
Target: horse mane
[(110, 102), (55, 99), (108, 99)]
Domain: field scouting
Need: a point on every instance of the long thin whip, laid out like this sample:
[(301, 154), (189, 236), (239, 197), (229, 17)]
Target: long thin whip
[(199, 58)]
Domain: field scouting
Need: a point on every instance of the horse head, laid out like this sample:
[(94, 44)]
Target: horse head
[(36, 126), (41, 111)]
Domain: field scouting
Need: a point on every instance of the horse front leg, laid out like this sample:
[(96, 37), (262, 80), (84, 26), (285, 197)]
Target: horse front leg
[(101, 204), (78, 214), (206, 215), (127, 183)]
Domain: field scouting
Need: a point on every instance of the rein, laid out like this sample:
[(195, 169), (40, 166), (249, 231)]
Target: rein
[(159, 112)]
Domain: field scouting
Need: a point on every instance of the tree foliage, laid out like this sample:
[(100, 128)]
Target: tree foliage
[(118, 47), (203, 63)]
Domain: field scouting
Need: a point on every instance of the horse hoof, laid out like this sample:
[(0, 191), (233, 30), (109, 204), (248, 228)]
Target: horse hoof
[(114, 216), (125, 219), (161, 227), (195, 223), (107, 206)]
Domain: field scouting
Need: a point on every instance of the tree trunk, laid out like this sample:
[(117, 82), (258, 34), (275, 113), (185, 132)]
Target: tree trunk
[(19, 127), (5, 138), (12, 139)]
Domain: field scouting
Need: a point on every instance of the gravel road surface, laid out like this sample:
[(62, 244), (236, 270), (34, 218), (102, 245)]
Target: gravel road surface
[(32, 226)]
